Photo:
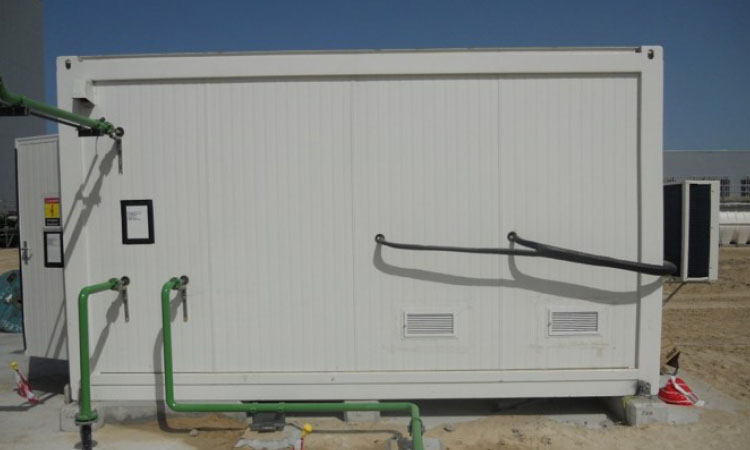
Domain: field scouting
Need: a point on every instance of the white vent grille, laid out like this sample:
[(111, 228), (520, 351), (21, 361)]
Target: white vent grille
[(429, 324), (573, 322)]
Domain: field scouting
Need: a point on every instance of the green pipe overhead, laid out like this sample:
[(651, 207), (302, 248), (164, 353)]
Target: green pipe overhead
[(179, 283), (86, 415), (100, 125)]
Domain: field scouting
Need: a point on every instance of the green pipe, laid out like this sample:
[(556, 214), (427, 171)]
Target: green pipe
[(19, 100), (86, 415), (178, 283)]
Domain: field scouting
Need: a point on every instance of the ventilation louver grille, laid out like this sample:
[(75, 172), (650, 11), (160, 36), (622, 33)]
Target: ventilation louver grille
[(573, 322), (429, 324)]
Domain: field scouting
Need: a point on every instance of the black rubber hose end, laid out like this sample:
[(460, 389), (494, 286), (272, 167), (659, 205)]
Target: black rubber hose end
[(379, 238), (512, 236), (86, 442), (119, 132)]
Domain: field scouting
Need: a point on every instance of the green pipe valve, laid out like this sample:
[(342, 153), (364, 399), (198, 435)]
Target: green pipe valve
[(178, 284), (47, 111)]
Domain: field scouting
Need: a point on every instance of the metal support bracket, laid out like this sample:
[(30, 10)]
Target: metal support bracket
[(88, 132), (643, 388), (184, 280), (123, 290), (13, 110), (268, 422)]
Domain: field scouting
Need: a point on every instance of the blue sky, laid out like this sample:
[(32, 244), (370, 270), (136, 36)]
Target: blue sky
[(706, 43)]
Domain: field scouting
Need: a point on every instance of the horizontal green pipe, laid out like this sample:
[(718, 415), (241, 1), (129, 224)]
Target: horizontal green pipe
[(19, 100), (176, 283), (85, 413)]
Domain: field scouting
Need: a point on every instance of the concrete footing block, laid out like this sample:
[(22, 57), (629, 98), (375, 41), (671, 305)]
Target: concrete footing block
[(637, 411), (361, 416), (406, 444), (643, 410)]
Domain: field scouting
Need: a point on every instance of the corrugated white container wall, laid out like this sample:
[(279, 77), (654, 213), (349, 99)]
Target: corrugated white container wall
[(269, 175)]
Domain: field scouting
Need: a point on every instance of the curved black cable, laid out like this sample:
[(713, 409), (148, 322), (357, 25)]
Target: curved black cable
[(544, 251), (563, 254), (380, 239)]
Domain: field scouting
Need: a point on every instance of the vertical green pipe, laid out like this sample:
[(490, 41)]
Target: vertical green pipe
[(85, 413), (176, 283)]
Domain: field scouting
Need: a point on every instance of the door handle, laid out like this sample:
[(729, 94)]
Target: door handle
[(25, 253)]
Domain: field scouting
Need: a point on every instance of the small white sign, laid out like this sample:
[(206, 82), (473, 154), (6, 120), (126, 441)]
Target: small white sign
[(137, 221), (53, 249)]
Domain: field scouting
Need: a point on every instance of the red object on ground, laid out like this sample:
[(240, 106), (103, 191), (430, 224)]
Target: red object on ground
[(677, 392), (24, 388)]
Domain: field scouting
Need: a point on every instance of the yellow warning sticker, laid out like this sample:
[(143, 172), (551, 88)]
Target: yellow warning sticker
[(52, 211)]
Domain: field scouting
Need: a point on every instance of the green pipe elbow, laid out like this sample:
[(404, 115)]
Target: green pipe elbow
[(86, 414)]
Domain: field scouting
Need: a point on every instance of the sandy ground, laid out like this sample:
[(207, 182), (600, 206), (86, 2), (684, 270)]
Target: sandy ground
[(8, 259), (709, 323)]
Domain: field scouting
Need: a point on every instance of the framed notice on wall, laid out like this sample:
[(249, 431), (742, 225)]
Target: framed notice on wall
[(137, 221), (53, 249)]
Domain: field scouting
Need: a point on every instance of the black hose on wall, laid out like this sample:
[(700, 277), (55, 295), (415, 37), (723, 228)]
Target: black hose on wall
[(543, 251)]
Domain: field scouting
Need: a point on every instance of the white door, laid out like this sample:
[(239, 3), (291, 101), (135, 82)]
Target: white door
[(42, 251)]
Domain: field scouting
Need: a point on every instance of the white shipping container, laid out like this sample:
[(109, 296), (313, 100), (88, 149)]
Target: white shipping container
[(270, 174)]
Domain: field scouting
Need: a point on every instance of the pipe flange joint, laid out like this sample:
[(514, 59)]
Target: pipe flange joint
[(88, 420)]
